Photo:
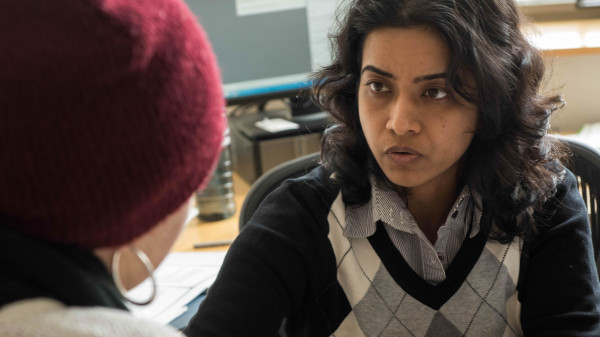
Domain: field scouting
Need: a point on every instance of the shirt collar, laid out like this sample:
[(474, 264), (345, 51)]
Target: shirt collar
[(386, 205)]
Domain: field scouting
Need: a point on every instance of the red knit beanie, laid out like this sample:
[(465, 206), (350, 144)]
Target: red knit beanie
[(111, 116)]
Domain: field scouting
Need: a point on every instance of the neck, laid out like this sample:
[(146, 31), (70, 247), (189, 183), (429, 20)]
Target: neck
[(430, 207)]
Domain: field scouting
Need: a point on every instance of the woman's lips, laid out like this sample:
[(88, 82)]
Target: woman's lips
[(403, 155)]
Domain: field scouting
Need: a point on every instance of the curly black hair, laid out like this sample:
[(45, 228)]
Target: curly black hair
[(511, 163)]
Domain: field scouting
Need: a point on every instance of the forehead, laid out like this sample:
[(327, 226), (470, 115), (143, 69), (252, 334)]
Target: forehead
[(391, 48)]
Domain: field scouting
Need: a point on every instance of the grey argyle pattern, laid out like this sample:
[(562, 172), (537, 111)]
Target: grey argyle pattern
[(485, 304)]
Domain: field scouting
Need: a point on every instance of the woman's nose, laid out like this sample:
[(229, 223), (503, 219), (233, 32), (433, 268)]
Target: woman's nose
[(403, 117)]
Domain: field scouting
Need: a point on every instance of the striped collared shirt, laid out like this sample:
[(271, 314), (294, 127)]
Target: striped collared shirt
[(428, 260)]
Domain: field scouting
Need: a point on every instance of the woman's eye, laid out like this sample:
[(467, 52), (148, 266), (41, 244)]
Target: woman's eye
[(378, 87), (436, 93)]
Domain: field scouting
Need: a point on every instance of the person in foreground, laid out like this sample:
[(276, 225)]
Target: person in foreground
[(112, 117), (441, 207)]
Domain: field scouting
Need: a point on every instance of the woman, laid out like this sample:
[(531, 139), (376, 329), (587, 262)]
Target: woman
[(112, 117), (441, 207)]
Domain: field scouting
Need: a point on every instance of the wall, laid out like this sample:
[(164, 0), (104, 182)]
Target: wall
[(577, 78)]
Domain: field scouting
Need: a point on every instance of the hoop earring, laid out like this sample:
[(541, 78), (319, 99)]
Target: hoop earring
[(117, 277)]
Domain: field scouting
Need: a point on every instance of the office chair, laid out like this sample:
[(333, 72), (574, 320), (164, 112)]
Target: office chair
[(585, 165), (271, 179)]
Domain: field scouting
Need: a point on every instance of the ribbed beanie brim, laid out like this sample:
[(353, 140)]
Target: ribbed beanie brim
[(111, 116)]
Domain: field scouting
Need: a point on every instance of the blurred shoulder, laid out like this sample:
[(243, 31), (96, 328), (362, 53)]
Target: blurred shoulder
[(50, 318)]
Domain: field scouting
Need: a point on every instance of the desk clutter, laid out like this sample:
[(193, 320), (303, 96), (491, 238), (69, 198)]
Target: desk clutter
[(180, 279), (215, 202), (264, 140)]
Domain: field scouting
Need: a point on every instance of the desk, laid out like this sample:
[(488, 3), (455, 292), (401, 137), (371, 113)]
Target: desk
[(198, 231)]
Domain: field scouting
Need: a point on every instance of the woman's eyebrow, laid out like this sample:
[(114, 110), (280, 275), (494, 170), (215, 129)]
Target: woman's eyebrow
[(384, 73), (429, 77), (377, 71)]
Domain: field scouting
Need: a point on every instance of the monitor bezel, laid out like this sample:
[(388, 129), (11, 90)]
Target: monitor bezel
[(267, 96)]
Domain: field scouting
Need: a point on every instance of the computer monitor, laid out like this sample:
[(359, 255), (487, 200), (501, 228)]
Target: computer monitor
[(588, 3), (266, 49)]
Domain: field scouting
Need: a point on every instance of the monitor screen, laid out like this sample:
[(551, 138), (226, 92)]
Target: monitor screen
[(266, 49)]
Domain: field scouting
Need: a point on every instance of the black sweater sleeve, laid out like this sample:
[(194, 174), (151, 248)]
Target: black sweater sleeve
[(560, 292), (270, 269)]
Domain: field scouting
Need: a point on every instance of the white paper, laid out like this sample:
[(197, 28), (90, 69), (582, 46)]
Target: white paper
[(180, 279), (592, 39), (276, 124), (252, 7), (554, 40)]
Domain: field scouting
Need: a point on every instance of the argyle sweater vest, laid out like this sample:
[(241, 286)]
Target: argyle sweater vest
[(387, 298)]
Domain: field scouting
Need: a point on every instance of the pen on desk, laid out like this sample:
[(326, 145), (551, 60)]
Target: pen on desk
[(212, 244)]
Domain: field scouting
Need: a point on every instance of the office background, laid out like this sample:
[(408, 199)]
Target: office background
[(266, 49), (277, 43)]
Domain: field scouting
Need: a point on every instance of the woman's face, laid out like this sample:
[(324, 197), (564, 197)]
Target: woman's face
[(415, 128)]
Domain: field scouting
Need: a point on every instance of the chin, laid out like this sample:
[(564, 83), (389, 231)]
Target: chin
[(402, 178), (404, 182)]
